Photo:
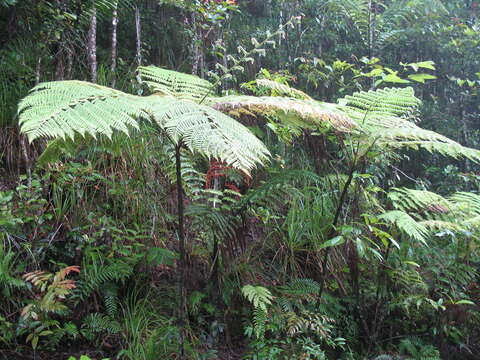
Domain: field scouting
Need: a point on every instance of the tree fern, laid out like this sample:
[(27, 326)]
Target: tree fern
[(61, 109)]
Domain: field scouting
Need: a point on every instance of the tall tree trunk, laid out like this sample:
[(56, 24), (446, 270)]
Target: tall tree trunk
[(92, 46), (465, 131), (182, 249), (195, 47), (113, 65), (69, 62), (371, 27), (138, 30)]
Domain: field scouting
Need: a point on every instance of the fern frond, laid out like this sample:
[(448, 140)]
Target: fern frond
[(176, 84), (258, 296), (383, 115), (279, 89), (301, 288), (207, 131), (62, 108), (467, 203), (406, 224), (298, 113), (419, 201), (259, 322), (382, 102)]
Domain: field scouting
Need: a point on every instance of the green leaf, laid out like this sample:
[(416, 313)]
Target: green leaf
[(421, 77), (337, 240), (393, 78), (423, 64), (464, 302)]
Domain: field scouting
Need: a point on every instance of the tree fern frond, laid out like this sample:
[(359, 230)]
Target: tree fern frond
[(419, 201), (63, 108), (176, 84), (279, 89), (467, 203), (406, 224), (382, 102), (210, 132), (441, 225), (299, 113), (382, 115)]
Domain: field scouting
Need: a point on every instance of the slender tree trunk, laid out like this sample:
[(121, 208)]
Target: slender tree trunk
[(195, 47), (138, 31), (69, 62), (371, 28), (92, 46), (463, 120), (182, 250), (113, 65), (38, 69)]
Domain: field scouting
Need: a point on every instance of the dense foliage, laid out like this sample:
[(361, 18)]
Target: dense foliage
[(209, 179)]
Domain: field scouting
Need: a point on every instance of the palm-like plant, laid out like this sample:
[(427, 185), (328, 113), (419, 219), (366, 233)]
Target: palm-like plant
[(68, 109)]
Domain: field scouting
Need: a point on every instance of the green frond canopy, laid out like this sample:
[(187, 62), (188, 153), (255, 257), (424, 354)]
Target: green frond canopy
[(300, 113), (383, 115), (59, 109), (176, 84), (210, 132), (62, 109), (278, 89)]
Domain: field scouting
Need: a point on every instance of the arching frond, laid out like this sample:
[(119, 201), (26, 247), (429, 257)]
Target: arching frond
[(382, 102), (210, 132), (467, 203), (300, 113), (383, 115), (279, 89), (63, 108), (419, 201), (176, 84), (406, 224)]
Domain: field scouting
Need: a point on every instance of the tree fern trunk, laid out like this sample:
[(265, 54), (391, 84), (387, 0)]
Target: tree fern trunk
[(183, 257), (92, 46), (113, 65)]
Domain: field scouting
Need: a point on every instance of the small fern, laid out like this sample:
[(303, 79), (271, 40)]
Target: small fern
[(259, 296)]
